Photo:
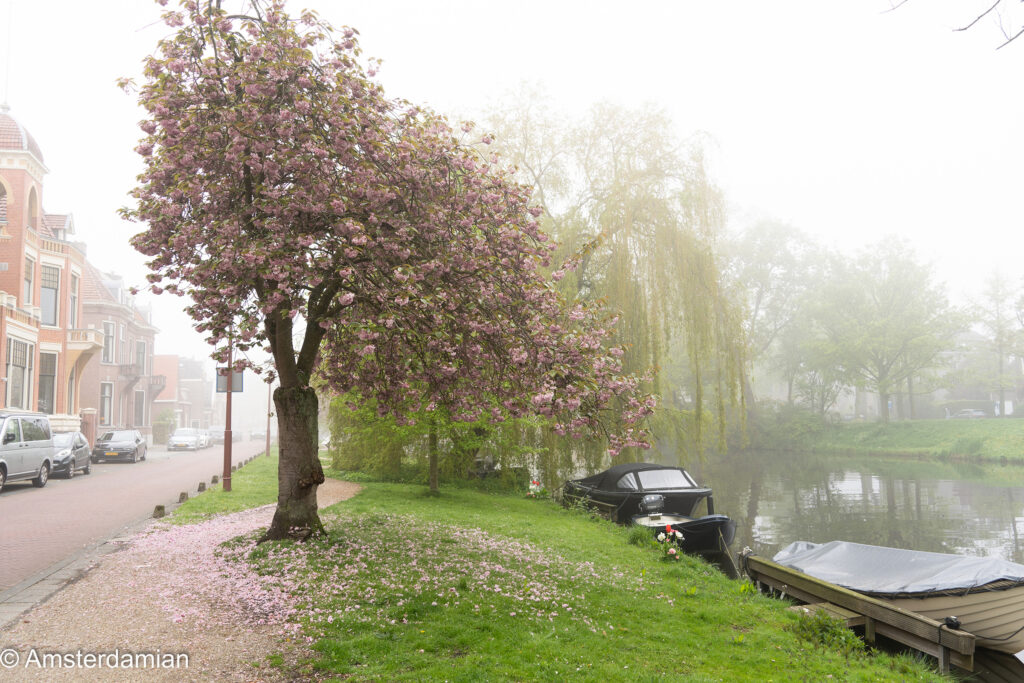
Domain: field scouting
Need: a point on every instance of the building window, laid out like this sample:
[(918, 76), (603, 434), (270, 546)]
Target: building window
[(140, 408), (30, 270), (71, 392), (47, 382), (73, 304), (106, 402), (19, 373), (140, 357), (49, 287), (108, 342)]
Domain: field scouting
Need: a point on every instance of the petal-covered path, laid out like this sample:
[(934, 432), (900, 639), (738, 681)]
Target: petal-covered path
[(168, 593)]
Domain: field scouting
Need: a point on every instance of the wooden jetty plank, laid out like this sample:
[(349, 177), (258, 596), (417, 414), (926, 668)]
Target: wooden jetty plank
[(902, 625)]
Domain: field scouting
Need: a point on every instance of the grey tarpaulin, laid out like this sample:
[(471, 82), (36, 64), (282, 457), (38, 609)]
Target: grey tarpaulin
[(876, 570)]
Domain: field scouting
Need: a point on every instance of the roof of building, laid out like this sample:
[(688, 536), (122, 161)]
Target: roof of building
[(13, 135), (55, 222), (93, 288)]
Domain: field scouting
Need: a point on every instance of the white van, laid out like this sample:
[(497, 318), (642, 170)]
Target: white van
[(26, 447)]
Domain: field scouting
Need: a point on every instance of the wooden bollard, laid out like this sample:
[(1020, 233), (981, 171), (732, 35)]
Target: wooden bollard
[(234, 468), (182, 497), (159, 512), (215, 479), (202, 486)]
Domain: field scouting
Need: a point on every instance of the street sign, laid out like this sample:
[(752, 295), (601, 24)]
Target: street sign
[(222, 381)]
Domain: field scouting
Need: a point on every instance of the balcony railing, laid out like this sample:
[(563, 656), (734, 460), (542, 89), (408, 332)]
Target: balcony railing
[(91, 337), (129, 370)]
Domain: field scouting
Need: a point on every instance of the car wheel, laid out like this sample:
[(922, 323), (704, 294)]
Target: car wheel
[(71, 469), (88, 466), (44, 475), (143, 455), (135, 455), (3, 478)]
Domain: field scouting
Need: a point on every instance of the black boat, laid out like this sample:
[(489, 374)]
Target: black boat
[(658, 497), (619, 490), (707, 535)]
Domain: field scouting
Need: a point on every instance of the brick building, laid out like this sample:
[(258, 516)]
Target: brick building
[(188, 390), (121, 383), (44, 345)]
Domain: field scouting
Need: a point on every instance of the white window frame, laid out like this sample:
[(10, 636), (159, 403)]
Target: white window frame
[(111, 357), (106, 420), (56, 296)]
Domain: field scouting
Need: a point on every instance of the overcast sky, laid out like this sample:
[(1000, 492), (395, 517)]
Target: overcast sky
[(844, 120)]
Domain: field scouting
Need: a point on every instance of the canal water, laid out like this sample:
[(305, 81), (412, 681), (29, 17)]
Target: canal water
[(950, 507)]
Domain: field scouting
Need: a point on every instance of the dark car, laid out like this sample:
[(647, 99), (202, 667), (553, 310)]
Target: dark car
[(970, 414), (120, 444), (70, 454), (618, 491)]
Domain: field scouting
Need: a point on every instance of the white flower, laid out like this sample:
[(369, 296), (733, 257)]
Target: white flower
[(661, 536), (679, 534)]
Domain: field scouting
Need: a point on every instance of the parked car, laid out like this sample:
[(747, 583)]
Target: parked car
[(969, 414), (26, 448), (218, 434), (258, 435), (185, 439), (120, 444), (205, 440), (71, 453)]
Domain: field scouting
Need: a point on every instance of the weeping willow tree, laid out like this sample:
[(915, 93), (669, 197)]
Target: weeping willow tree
[(636, 212)]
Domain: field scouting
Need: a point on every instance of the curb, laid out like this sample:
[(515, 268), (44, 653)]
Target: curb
[(37, 589)]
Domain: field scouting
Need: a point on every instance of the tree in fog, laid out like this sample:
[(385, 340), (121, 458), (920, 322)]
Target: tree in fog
[(773, 266), (996, 315), (885, 320), (638, 209)]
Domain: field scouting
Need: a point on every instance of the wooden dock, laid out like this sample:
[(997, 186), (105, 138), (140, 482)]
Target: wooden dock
[(947, 645)]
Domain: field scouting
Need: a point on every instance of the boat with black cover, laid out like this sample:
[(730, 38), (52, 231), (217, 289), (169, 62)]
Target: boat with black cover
[(655, 496)]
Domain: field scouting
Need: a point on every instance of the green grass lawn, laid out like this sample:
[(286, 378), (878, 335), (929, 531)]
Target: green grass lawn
[(472, 586), (986, 439), (252, 485)]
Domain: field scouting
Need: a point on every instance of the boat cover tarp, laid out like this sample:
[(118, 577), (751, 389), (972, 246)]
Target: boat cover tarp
[(879, 570)]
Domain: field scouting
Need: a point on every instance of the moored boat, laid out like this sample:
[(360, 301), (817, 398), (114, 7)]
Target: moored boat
[(700, 535), (618, 491), (982, 595)]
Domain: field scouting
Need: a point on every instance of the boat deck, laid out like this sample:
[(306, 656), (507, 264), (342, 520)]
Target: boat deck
[(947, 645)]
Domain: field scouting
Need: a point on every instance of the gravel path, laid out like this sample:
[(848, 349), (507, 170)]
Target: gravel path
[(166, 594)]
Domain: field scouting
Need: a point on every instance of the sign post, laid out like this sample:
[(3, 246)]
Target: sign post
[(231, 382)]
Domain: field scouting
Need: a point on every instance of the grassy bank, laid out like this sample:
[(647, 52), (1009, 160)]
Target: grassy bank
[(475, 586), (252, 485), (986, 439)]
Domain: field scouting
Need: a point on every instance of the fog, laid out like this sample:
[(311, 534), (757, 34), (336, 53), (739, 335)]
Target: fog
[(846, 121)]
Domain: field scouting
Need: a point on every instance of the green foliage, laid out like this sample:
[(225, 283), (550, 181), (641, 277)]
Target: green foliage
[(496, 457), (163, 426), (640, 536), (825, 631), (638, 213)]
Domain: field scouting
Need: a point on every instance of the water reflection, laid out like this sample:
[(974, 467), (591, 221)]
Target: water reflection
[(777, 498)]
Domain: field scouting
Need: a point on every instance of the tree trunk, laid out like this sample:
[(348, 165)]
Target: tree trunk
[(433, 455), (910, 394), (298, 471), (883, 406)]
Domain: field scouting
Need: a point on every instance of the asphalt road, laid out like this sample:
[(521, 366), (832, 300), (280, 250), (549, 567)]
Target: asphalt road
[(39, 527)]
